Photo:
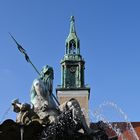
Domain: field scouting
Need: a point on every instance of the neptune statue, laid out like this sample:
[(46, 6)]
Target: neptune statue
[(41, 96), (45, 110)]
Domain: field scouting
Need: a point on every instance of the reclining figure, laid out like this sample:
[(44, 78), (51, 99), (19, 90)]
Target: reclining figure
[(25, 114)]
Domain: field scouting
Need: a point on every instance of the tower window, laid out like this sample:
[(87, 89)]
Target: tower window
[(72, 48)]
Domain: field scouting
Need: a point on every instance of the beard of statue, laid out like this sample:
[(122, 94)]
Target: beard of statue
[(43, 104), (41, 96), (38, 87)]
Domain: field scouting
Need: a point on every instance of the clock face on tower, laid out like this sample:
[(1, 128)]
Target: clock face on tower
[(72, 69), (71, 77)]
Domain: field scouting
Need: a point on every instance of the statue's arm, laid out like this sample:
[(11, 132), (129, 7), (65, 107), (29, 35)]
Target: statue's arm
[(50, 85), (33, 94)]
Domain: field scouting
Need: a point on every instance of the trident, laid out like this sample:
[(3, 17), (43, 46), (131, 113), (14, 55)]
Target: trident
[(23, 51)]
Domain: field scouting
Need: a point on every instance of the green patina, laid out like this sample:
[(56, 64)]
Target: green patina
[(72, 64)]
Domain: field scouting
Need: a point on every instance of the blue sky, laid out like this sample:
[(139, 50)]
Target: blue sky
[(109, 32)]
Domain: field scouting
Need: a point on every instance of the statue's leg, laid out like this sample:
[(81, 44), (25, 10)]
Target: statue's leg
[(62, 107), (77, 114)]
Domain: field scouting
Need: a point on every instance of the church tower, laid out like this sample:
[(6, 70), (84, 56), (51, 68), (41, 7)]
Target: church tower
[(72, 72)]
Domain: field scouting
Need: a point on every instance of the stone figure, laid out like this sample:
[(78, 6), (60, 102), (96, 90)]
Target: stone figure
[(25, 113)]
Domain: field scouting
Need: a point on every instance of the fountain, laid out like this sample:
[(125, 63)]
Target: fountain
[(5, 113), (98, 114), (45, 120)]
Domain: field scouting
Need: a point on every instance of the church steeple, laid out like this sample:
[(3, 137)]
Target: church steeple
[(72, 64), (72, 72), (72, 41)]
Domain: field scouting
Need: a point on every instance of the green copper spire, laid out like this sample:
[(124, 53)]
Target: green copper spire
[(72, 64), (72, 41)]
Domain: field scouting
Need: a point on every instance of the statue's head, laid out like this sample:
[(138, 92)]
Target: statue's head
[(47, 71)]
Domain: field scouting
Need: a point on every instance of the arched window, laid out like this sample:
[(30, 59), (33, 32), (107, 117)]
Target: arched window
[(66, 49), (72, 47)]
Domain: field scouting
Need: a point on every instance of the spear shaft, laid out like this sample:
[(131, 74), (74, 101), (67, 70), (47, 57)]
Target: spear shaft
[(34, 67)]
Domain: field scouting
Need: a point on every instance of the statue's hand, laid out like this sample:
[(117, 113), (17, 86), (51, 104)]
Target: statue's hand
[(16, 105), (46, 103), (15, 101), (44, 108)]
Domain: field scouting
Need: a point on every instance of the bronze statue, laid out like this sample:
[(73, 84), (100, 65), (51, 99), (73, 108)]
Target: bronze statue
[(43, 104), (25, 114), (44, 108), (55, 120)]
